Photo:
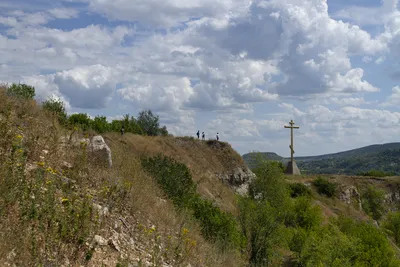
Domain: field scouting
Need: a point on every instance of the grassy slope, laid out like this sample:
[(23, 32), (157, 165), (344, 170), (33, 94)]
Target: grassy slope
[(134, 202), (204, 159)]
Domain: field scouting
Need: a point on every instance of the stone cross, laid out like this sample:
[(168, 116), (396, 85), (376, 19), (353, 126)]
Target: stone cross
[(291, 138)]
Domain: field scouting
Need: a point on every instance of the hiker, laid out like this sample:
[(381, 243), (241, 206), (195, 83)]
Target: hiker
[(217, 137), (203, 136), (122, 130), (198, 134)]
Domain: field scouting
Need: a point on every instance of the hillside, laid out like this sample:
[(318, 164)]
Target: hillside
[(383, 157), (72, 197)]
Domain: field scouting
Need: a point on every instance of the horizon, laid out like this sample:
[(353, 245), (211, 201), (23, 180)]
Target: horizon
[(329, 153), (241, 68)]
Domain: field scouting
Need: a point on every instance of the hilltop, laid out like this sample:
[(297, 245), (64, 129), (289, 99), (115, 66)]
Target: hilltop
[(380, 157)]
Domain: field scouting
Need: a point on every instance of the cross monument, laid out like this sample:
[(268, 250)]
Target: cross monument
[(292, 166)]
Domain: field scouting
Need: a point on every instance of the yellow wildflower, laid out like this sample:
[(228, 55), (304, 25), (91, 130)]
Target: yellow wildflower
[(185, 231), (41, 164), (49, 181), (50, 170), (20, 150), (64, 200), (18, 136)]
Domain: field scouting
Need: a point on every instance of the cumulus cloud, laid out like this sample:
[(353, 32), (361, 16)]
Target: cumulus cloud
[(394, 98), (89, 87), (368, 15), (244, 68), (163, 13)]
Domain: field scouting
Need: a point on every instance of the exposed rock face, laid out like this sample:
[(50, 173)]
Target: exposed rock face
[(239, 179), (393, 200), (100, 150), (350, 195)]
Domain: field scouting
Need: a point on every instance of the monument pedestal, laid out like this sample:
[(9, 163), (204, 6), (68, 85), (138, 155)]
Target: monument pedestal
[(292, 168)]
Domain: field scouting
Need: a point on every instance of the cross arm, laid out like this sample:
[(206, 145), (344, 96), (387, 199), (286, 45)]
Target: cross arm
[(293, 127)]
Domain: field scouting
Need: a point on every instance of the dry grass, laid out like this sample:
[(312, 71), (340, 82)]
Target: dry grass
[(204, 159), (125, 189)]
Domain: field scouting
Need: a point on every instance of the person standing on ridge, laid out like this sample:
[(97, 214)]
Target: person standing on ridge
[(203, 136), (198, 134), (217, 137)]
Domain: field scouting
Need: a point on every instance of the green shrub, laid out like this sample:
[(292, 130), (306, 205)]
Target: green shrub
[(264, 231), (176, 181), (371, 246), (100, 124), (216, 225), (81, 120), (325, 187), (269, 184), (21, 91), (372, 201), (392, 224), (173, 177), (303, 214), (56, 107), (298, 190)]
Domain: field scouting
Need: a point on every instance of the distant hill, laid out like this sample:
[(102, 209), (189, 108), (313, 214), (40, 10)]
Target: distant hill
[(384, 157)]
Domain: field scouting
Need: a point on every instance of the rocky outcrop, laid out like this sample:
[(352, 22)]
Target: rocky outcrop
[(97, 148), (350, 195), (239, 179), (100, 150), (392, 199)]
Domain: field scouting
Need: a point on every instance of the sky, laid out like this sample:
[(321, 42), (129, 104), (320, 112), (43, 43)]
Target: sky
[(241, 68)]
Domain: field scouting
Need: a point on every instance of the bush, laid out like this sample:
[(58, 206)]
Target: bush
[(100, 124), (269, 184), (176, 181), (264, 231), (216, 225), (173, 177), (392, 224), (298, 190), (372, 201), (56, 107), (303, 214), (21, 91), (81, 120), (324, 187), (371, 246)]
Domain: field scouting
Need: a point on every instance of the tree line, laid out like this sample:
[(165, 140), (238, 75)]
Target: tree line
[(146, 122)]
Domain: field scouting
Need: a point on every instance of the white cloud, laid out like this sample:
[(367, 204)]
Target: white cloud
[(394, 98), (368, 15), (163, 13)]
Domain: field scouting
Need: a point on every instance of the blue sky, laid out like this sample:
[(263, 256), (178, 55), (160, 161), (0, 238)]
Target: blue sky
[(238, 67)]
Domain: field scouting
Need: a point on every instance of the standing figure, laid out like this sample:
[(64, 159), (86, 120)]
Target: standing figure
[(122, 130), (217, 137), (203, 136), (198, 134)]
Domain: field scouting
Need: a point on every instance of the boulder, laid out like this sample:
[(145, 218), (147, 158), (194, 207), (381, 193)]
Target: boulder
[(100, 150)]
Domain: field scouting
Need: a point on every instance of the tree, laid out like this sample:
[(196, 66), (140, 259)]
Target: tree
[(21, 91), (149, 123), (372, 200), (56, 107), (100, 124)]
